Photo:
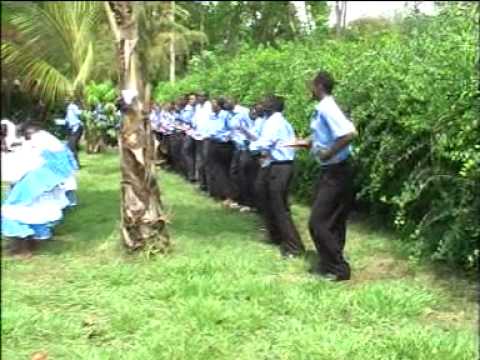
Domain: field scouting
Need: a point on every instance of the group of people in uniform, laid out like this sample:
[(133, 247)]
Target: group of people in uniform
[(241, 156), (245, 157)]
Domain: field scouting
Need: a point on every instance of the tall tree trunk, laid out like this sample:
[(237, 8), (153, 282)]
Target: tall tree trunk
[(172, 43), (340, 15), (344, 19), (142, 220), (202, 24)]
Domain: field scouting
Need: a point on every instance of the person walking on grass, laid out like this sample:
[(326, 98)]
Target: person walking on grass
[(74, 126), (330, 141), (275, 177)]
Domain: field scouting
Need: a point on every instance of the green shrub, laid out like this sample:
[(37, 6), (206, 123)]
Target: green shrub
[(101, 129), (411, 91)]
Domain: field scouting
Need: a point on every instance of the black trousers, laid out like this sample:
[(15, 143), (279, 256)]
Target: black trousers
[(201, 156), (328, 219), (218, 173), (189, 158), (166, 148), (161, 151), (176, 153), (272, 189), (74, 140), (243, 173)]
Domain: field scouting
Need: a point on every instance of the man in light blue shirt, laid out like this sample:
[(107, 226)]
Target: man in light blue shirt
[(220, 151), (332, 134), (200, 124), (275, 177), (74, 127), (187, 116), (167, 129), (240, 108), (240, 120), (178, 136)]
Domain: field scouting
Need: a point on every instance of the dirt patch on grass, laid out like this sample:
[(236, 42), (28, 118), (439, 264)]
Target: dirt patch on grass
[(382, 268)]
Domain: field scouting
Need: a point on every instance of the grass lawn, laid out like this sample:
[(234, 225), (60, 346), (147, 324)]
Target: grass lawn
[(223, 293)]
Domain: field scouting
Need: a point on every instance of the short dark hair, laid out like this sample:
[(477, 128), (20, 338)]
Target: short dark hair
[(228, 104), (220, 101), (33, 125), (274, 103), (325, 79)]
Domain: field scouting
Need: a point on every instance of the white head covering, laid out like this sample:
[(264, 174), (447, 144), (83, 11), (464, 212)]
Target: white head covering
[(11, 132), (43, 140)]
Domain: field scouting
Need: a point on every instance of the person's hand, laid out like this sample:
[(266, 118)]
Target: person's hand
[(324, 154), (300, 143)]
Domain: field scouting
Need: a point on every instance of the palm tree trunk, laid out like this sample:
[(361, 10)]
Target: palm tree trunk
[(172, 43), (340, 12), (142, 219)]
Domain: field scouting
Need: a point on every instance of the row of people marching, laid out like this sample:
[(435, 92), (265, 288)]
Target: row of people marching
[(245, 157), (204, 140), (39, 171)]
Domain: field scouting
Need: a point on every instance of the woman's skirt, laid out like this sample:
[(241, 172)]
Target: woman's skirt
[(35, 203)]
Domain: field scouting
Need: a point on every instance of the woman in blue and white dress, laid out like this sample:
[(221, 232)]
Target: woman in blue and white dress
[(42, 176)]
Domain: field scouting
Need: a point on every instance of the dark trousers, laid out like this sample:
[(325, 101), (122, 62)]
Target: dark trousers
[(189, 158), (201, 156), (165, 149), (332, 204), (74, 140), (218, 177), (176, 146), (161, 151), (243, 173), (272, 190)]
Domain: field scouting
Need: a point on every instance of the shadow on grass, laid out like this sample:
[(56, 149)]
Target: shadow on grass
[(204, 224), (88, 225)]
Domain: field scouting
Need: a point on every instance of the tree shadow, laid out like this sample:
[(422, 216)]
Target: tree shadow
[(88, 225), (206, 222)]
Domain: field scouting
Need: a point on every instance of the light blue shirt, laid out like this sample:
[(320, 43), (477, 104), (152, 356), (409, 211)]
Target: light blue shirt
[(155, 119), (240, 119), (186, 114), (276, 132), (202, 119), (241, 109), (328, 124), (219, 128), (167, 121), (258, 126), (72, 119)]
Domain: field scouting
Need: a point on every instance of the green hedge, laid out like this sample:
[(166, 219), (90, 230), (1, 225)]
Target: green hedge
[(411, 91)]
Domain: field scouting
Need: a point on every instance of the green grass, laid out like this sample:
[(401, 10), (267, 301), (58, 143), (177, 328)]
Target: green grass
[(223, 293)]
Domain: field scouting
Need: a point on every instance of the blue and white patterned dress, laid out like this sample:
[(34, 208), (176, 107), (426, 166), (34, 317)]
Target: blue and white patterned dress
[(43, 187)]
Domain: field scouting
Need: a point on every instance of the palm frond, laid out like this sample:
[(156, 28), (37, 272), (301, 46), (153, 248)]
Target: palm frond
[(38, 75), (85, 69), (55, 45)]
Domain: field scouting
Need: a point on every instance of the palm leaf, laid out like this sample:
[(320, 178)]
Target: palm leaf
[(52, 85), (55, 45)]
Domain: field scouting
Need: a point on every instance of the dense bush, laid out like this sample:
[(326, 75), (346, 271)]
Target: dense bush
[(411, 90), (100, 117)]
